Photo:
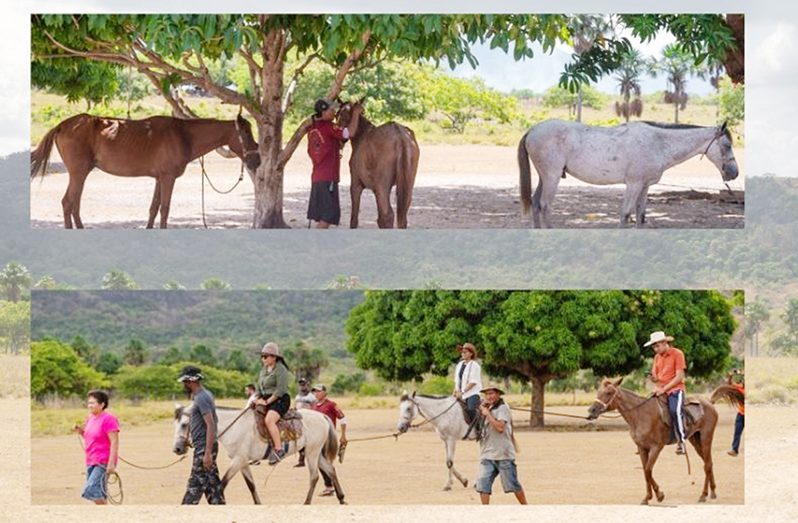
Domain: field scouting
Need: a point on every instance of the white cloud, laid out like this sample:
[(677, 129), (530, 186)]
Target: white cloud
[(778, 49)]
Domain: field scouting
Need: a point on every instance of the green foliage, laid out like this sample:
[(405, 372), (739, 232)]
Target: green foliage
[(135, 353), (731, 102), (160, 381), (89, 353), (370, 389), (437, 386), (237, 360), (349, 382), (557, 96), (109, 363), (14, 279), (202, 355), (172, 355), (306, 362), (56, 369), (173, 285), (215, 284), (14, 326), (117, 280)]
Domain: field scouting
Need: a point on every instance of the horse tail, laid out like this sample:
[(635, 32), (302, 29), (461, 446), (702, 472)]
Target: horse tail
[(40, 156), (330, 450), (730, 394), (525, 174), (406, 165)]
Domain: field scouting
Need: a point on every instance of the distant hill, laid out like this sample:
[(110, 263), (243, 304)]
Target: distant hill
[(221, 320)]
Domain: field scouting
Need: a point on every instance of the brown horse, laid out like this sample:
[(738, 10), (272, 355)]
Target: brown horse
[(159, 147), (382, 157), (650, 433)]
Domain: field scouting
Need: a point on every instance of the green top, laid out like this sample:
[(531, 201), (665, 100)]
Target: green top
[(274, 382)]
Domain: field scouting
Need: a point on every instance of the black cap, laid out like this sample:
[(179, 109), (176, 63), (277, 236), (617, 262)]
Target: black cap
[(190, 373), (302, 380)]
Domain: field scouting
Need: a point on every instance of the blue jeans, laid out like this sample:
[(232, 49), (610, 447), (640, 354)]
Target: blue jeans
[(675, 403), (504, 468), (472, 405), (95, 483), (739, 425)]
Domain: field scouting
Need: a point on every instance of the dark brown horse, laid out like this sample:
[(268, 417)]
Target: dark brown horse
[(651, 434), (159, 147), (382, 157)]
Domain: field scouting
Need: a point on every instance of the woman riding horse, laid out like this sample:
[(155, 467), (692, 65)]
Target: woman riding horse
[(273, 400)]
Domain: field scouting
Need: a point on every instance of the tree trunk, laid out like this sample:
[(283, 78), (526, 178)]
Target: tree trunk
[(536, 416), (579, 104), (735, 60), (676, 112)]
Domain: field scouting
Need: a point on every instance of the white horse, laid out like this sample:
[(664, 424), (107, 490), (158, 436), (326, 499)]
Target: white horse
[(446, 415), (243, 445), (635, 153)]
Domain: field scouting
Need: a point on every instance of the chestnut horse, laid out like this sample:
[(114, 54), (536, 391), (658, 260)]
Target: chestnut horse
[(159, 147), (382, 157), (651, 434)]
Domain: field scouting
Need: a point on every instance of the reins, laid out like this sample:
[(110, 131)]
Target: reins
[(206, 177)]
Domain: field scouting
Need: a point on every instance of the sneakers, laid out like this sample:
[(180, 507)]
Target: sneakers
[(680, 448), (732, 453), (276, 457), (329, 491)]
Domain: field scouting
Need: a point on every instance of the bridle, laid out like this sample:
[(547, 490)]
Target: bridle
[(615, 394), (245, 153)]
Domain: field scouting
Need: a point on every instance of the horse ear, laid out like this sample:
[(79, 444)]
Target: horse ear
[(724, 126), (414, 394), (617, 382), (178, 410)]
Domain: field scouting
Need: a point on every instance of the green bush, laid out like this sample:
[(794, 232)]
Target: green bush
[(55, 368), (370, 389), (344, 383), (160, 381), (437, 385)]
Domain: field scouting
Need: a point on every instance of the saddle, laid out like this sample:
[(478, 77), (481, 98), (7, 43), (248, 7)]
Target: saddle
[(290, 425), (692, 413), (474, 425)]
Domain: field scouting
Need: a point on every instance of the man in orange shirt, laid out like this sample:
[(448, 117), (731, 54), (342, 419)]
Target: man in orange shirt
[(668, 373), (739, 422)]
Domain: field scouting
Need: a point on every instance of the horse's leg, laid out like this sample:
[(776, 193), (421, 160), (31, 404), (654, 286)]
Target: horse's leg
[(312, 458), (653, 454), (329, 469), (547, 194), (355, 190), (643, 453), (629, 202), (384, 210), (246, 472), (448, 446), (167, 184), (235, 465), (640, 207), (156, 203), (536, 204), (71, 199)]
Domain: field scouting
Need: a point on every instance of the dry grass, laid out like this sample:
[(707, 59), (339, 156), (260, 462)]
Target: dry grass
[(14, 376), (772, 380)]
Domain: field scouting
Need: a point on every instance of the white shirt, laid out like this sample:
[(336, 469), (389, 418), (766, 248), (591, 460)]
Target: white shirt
[(304, 401), (471, 374)]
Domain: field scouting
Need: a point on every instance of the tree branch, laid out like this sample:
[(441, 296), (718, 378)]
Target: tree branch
[(294, 78)]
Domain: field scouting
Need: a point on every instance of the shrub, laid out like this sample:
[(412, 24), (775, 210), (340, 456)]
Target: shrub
[(55, 368)]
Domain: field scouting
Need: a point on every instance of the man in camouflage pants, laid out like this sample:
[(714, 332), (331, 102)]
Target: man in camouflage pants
[(204, 477)]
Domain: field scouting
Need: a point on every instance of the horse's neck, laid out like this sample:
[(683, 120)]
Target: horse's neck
[(362, 128), (432, 408), (683, 144), (207, 135), (629, 406)]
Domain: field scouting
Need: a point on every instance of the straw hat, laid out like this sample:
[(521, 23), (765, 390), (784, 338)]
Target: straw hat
[(492, 386), (656, 337), (271, 349)]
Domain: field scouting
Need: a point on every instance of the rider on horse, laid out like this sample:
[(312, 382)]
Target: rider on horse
[(668, 373), (273, 399), (468, 382)]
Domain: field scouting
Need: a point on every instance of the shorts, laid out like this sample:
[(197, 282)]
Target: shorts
[(280, 406), (324, 204), (504, 468), (95, 488)]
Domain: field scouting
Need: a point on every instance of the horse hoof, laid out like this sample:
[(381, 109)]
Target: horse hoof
[(447, 487), (702, 499), (660, 496), (644, 502), (713, 496), (465, 484)]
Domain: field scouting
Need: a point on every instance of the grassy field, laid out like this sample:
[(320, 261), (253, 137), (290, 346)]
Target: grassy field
[(49, 109), (772, 380)]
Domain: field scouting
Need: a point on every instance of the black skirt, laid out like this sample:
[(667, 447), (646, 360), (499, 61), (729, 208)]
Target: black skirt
[(280, 406), (324, 204)]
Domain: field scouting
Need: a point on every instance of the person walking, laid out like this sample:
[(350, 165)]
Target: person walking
[(329, 408), (100, 433)]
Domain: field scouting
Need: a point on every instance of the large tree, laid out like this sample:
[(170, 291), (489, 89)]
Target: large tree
[(535, 336), (174, 49), (14, 279)]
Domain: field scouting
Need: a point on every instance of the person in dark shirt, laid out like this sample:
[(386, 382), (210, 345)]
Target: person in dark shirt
[(204, 478)]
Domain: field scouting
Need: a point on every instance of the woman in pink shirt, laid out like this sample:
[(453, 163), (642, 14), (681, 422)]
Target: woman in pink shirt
[(100, 432)]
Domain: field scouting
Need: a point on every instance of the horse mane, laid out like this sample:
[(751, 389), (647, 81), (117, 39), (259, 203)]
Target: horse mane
[(430, 396), (672, 125)]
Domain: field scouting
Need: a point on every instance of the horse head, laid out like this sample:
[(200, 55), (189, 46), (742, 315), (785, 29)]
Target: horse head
[(606, 398), (182, 423), (407, 411), (720, 153), (244, 145), (348, 111)]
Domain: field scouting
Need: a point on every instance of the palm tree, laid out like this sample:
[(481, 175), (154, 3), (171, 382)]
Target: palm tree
[(117, 280), (587, 31), (628, 76), (215, 284), (13, 278), (677, 65)]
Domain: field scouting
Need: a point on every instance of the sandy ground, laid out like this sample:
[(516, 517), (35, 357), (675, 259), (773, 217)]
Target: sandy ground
[(466, 186), (770, 454), (554, 467)]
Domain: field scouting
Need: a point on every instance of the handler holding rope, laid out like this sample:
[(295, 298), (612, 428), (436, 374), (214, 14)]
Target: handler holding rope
[(101, 433), (204, 477)]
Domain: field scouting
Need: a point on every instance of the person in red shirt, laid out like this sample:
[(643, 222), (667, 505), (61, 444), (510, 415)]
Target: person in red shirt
[(325, 141), (739, 422), (668, 373), (328, 407)]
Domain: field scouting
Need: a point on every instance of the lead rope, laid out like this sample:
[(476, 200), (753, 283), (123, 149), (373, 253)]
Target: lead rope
[(205, 176)]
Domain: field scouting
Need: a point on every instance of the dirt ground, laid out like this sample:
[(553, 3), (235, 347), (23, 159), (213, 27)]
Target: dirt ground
[(464, 186), (555, 467)]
